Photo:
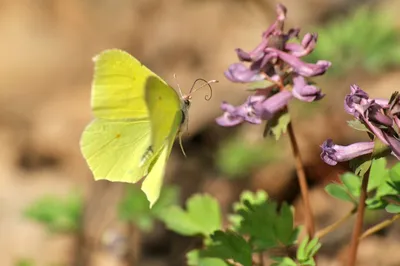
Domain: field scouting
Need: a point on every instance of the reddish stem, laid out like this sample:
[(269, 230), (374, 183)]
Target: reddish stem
[(303, 182), (355, 238)]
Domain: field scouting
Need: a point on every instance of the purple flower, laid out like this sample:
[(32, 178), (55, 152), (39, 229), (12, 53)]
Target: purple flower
[(268, 108), (275, 59), (376, 115), (240, 73), (394, 144), (229, 118), (235, 115), (332, 153), (305, 92), (356, 97), (306, 47), (300, 67), (369, 112)]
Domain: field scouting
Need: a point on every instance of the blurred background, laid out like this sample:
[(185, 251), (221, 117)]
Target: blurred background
[(51, 210)]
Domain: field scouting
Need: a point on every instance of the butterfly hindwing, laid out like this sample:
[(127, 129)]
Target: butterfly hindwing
[(152, 183), (165, 114), (113, 149)]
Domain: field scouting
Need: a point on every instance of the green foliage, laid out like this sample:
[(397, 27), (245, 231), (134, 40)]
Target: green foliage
[(236, 157), (201, 217), (383, 187), (304, 256), (194, 259), (58, 215), (134, 206), (278, 125), (228, 245), (260, 84), (257, 225), (307, 250), (24, 262), (366, 39), (266, 226), (285, 261), (357, 125), (340, 192), (254, 198)]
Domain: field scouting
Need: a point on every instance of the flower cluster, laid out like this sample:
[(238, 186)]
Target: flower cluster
[(276, 60), (381, 118)]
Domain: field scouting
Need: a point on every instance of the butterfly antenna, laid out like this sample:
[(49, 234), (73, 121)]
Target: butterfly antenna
[(207, 83), (177, 84), (181, 145)]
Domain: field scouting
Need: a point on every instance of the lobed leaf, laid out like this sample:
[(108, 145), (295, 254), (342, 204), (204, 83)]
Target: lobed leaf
[(202, 216), (228, 245)]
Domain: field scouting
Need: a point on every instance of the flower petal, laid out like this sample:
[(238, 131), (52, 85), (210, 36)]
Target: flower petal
[(306, 47), (240, 73), (305, 92), (266, 109), (229, 118), (300, 67), (356, 97), (332, 153)]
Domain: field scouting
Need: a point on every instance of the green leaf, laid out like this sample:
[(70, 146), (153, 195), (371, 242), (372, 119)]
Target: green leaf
[(339, 192), (254, 198), (134, 206), (352, 183), (284, 225), (307, 250), (266, 226), (194, 259), (378, 174), (59, 215), (228, 245), (201, 217), (286, 261), (357, 125), (385, 191), (393, 208), (261, 84), (169, 196), (301, 250), (278, 125), (360, 165)]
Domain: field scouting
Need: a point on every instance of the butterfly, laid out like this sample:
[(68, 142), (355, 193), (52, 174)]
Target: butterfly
[(137, 118)]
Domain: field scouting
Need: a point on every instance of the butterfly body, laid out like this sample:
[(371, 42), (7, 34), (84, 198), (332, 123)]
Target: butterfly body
[(137, 118)]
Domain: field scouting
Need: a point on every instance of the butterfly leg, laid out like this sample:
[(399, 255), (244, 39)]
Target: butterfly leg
[(146, 156)]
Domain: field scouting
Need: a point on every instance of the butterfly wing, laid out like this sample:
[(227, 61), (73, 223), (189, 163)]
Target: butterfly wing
[(152, 183), (115, 141), (165, 115), (118, 86), (113, 149)]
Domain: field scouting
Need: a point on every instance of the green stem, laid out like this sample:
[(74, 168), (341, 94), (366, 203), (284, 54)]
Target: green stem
[(330, 228), (379, 226)]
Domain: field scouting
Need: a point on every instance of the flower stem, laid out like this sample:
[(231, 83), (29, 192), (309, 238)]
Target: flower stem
[(261, 256), (323, 232), (359, 221), (379, 226), (302, 181)]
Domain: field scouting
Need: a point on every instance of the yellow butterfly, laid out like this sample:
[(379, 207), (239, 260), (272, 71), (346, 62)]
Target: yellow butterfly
[(137, 118)]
